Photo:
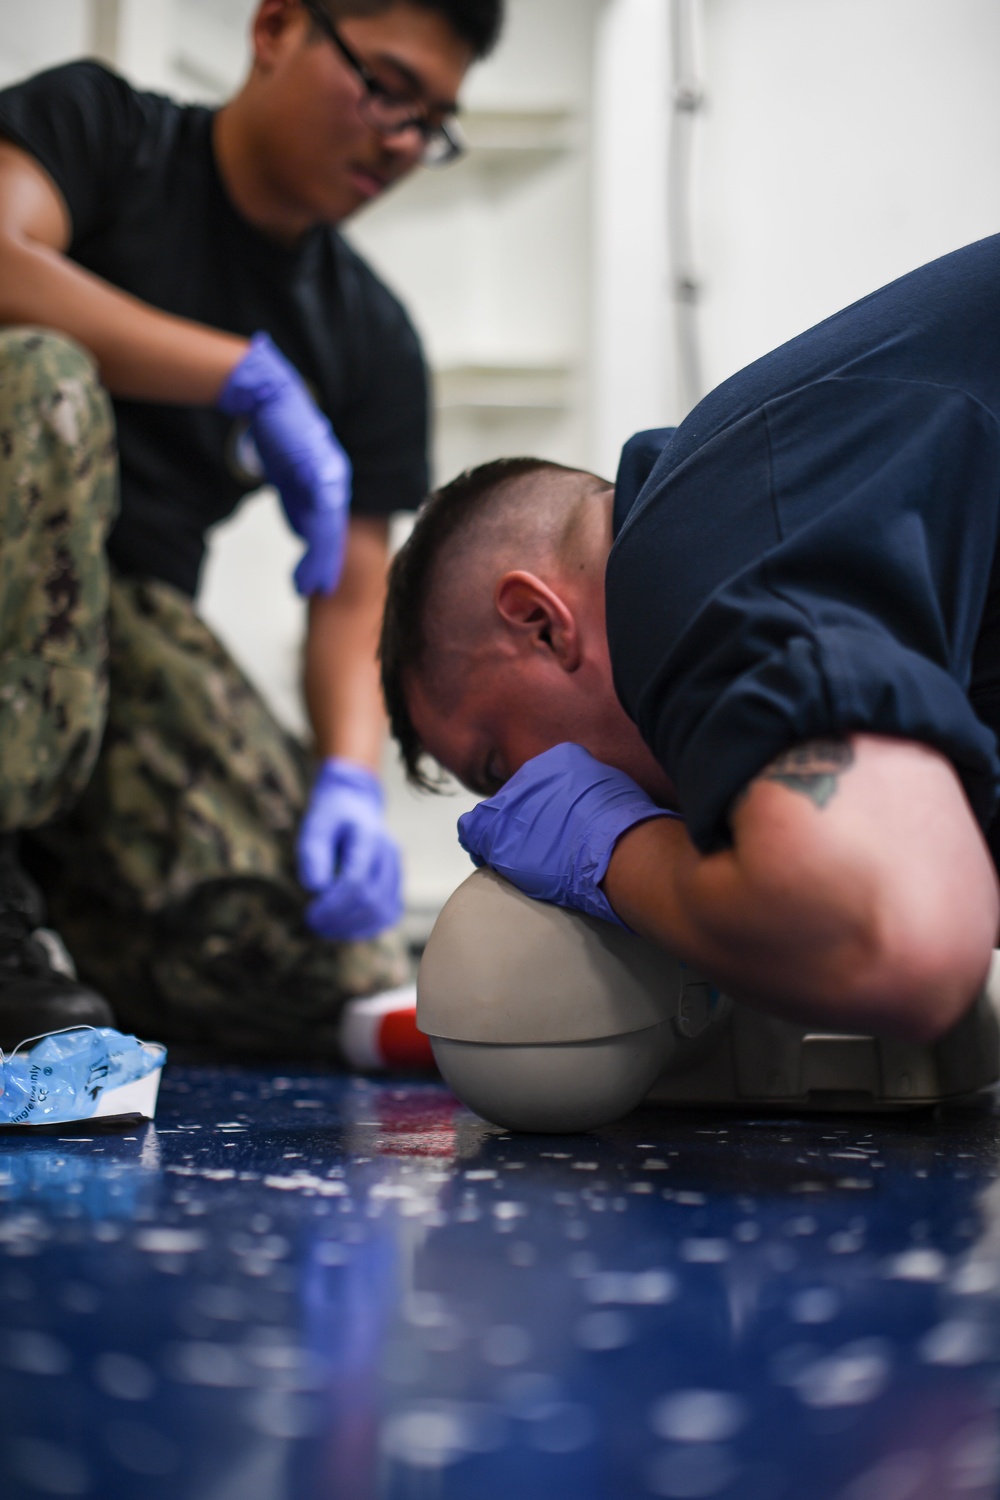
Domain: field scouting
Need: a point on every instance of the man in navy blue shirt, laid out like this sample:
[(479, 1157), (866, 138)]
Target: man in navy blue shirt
[(784, 625)]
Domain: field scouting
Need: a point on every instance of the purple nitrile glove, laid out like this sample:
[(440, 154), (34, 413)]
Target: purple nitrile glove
[(552, 827), (348, 857), (300, 455)]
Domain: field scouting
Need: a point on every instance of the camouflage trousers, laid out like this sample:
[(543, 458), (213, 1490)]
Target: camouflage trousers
[(156, 795)]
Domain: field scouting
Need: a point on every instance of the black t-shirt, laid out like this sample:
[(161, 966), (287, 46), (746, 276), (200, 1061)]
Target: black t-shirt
[(150, 214)]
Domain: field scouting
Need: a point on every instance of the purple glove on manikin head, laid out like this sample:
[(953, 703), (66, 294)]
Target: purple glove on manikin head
[(552, 828), (348, 857), (300, 455)]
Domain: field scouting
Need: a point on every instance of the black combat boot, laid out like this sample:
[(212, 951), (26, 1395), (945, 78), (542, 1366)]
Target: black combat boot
[(39, 990)]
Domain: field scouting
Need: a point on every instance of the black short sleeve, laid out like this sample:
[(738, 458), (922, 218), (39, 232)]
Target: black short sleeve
[(383, 419), (82, 124), (821, 567)]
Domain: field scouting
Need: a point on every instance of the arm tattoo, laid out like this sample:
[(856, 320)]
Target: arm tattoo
[(814, 769)]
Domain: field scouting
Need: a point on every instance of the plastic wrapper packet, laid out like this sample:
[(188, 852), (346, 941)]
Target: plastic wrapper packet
[(86, 1073)]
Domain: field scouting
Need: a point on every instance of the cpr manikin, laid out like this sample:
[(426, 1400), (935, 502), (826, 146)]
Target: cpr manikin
[(543, 1019)]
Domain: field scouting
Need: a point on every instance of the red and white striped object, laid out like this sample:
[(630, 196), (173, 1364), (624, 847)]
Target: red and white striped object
[(378, 1034)]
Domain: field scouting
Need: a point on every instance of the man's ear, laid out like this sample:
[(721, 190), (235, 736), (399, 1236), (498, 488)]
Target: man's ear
[(534, 613), (272, 24)]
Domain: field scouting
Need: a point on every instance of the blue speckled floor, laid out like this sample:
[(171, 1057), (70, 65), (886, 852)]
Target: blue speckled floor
[(306, 1287)]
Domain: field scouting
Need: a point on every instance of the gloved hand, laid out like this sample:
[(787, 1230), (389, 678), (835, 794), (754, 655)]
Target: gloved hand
[(348, 857), (300, 455), (552, 828)]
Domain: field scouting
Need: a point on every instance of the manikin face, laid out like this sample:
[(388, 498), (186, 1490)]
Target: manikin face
[(315, 150)]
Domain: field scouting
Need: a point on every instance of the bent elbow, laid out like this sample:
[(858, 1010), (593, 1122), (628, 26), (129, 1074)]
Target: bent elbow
[(930, 936), (920, 990)]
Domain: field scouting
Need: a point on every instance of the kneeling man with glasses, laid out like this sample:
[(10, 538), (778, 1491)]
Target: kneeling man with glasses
[(180, 321)]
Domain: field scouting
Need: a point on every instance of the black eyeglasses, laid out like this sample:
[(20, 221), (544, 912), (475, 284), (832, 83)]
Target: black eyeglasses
[(390, 113)]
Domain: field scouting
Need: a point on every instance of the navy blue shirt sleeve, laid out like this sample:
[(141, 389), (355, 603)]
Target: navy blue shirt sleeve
[(819, 567)]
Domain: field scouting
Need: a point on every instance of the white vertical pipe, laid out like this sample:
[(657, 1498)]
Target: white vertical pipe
[(633, 381), (688, 101)]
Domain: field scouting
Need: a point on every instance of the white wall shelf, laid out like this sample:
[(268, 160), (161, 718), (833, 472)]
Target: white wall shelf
[(504, 387), (520, 136)]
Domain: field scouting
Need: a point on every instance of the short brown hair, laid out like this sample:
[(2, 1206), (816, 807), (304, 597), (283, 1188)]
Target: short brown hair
[(448, 513)]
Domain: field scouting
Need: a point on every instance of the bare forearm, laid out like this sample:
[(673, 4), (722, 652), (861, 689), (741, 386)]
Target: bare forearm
[(141, 353), (343, 695), (769, 942), (878, 912)]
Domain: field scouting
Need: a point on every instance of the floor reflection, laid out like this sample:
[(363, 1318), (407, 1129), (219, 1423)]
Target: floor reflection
[(304, 1286)]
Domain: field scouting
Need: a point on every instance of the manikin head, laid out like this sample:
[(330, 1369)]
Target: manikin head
[(296, 144), (494, 645)]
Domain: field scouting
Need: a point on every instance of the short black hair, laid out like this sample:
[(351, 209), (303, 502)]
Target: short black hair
[(476, 22), (403, 644)]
